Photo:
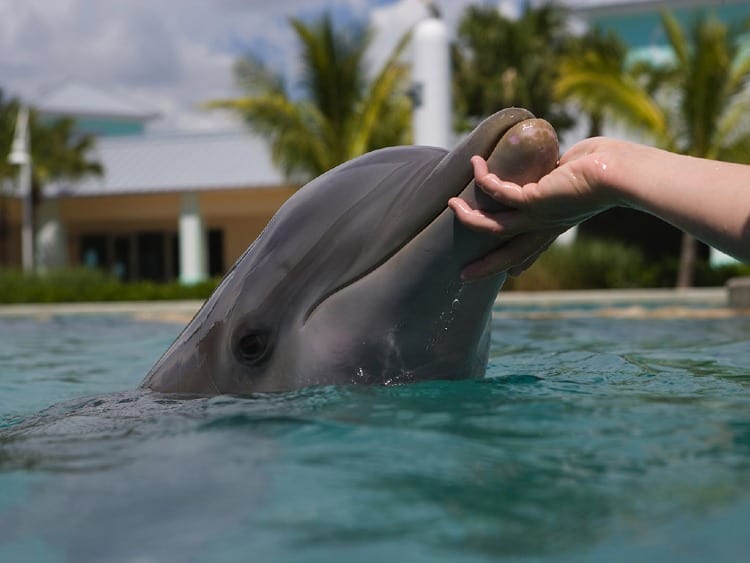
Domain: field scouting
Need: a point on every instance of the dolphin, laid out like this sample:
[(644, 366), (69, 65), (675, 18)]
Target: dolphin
[(356, 278)]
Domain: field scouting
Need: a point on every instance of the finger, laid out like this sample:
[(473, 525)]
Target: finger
[(480, 166), (514, 253), (501, 223), (506, 193), (516, 271)]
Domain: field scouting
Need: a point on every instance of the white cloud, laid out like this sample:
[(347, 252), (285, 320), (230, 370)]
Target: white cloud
[(171, 55)]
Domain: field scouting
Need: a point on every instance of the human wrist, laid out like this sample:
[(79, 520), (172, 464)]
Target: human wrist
[(602, 174), (621, 170)]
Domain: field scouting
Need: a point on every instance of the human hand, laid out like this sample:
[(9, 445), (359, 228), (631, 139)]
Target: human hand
[(537, 213)]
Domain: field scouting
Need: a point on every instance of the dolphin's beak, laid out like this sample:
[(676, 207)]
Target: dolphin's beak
[(517, 146), (524, 153)]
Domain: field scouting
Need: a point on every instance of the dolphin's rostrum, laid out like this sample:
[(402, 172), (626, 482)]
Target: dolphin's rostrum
[(356, 279)]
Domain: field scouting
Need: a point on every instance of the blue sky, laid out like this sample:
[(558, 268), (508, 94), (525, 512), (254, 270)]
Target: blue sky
[(169, 55)]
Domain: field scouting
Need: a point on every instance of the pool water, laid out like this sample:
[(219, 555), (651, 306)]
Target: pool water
[(590, 439)]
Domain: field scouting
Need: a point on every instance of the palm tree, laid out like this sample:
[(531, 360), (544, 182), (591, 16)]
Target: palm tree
[(605, 54), (60, 152), (499, 62), (340, 114), (57, 152), (696, 104)]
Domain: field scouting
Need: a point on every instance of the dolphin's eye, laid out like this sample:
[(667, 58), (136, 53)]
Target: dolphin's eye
[(253, 347)]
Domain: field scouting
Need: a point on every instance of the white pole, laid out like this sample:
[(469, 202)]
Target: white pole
[(192, 241), (431, 73), (50, 252), (27, 229), (20, 153)]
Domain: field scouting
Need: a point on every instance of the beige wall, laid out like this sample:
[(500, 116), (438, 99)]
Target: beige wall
[(241, 214), (116, 215)]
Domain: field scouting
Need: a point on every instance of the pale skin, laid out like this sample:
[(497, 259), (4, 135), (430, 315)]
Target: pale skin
[(706, 198)]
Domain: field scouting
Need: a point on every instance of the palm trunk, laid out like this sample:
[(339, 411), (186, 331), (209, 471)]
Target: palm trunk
[(4, 230), (686, 272), (596, 121)]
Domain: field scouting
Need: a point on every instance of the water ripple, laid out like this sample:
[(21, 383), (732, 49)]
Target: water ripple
[(589, 439)]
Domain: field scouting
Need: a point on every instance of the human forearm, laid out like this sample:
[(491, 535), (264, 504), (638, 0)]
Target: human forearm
[(709, 199)]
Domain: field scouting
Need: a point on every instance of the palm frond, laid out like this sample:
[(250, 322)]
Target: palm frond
[(739, 71), (332, 67), (736, 151), (377, 97), (599, 87), (733, 123), (253, 76), (704, 89), (499, 62), (337, 115), (293, 129), (676, 38)]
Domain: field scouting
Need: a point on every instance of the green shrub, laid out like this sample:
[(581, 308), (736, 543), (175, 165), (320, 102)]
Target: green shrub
[(707, 276), (85, 284), (588, 264), (605, 264)]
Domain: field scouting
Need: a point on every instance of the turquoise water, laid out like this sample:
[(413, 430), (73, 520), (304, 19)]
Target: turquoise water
[(591, 439)]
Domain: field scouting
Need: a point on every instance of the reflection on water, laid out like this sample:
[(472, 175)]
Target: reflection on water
[(590, 439)]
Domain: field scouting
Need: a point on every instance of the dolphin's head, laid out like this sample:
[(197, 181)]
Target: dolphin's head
[(356, 279)]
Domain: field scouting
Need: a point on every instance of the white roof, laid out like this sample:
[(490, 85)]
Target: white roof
[(176, 162), (80, 99)]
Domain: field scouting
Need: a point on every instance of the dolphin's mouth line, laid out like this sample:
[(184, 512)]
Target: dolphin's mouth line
[(376, 265)]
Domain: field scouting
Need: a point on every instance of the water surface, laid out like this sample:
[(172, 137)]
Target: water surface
[(590, 439)]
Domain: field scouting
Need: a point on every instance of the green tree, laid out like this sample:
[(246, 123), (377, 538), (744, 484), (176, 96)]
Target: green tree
[(697, 103), (606, 51), (339, 113), (499, 62), (57, 152)]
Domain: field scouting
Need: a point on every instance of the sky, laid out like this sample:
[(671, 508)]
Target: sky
[(170, 55)]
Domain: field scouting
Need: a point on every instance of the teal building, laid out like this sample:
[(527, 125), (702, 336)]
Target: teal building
[(95, 111), (638, 22)]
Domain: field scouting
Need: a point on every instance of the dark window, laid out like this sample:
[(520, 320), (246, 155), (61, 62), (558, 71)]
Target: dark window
[(174, 253), (215, 252), (151, 256), (94, 251), (123, 258), (4, 232)]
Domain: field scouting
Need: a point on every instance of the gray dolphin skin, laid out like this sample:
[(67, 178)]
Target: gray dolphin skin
[(356, 279)]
